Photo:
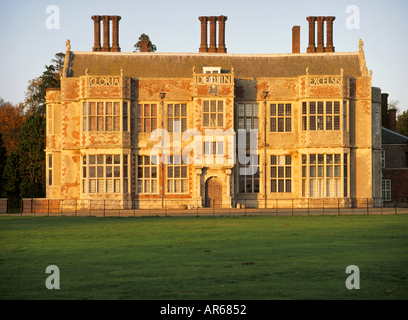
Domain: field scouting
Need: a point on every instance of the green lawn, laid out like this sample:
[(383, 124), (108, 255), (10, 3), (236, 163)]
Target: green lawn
[(202, 258)]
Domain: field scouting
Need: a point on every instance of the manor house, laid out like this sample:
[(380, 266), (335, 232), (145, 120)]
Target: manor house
[(213, 128)]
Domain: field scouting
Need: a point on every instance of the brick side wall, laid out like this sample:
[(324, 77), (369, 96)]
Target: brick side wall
[(399, 181)]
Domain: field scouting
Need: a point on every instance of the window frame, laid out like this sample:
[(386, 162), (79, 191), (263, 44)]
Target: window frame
[(253, 117), (324, 115), (386, 189), (252, 178), (277, 164), (219, 115), (383, 158), (280, 120), (141, 117), (50, 164), (95, 116), (172, 181), (172, 118), (324, 175), (141, 180), (103, 175)]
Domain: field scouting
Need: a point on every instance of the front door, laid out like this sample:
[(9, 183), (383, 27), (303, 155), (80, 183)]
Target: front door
[(213, 193)]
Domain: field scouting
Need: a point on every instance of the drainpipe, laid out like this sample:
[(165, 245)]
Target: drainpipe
[(265, 95), (162, 96)]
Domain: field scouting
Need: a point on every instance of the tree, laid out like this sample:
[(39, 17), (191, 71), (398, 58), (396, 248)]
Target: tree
[(150, 46), (11, 120), (3, 160), (32, 157), (11, 180), (402, 123), (393, 104), (32, 137), (37, 88)]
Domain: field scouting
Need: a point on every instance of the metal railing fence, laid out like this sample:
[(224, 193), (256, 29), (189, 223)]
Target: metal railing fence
[(157, 207)]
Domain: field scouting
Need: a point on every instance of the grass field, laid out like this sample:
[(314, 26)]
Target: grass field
[(211, 258)]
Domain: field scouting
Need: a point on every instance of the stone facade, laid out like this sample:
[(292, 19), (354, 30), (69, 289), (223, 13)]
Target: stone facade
[(260, 127)]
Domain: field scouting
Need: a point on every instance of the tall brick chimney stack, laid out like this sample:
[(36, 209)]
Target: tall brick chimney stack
[(203, 46), (221, 34), (312, 48), (213, 34), (392, 113), (329, 30), (385, 120), (320, 35), (106, 33), (115, 34), (144, 43), (97, 33), (296, 39)]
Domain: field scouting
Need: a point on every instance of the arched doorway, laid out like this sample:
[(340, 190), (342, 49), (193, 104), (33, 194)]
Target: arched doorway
[(213, 193)]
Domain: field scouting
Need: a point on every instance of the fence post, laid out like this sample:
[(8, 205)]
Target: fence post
[(48, 207), (323, 207), (308, 205), (395, 205), (367, 205), (76, 203), (21, 208), (338, 206), (292, 206)]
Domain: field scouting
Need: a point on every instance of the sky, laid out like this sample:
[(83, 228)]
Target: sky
[(30, 37)]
